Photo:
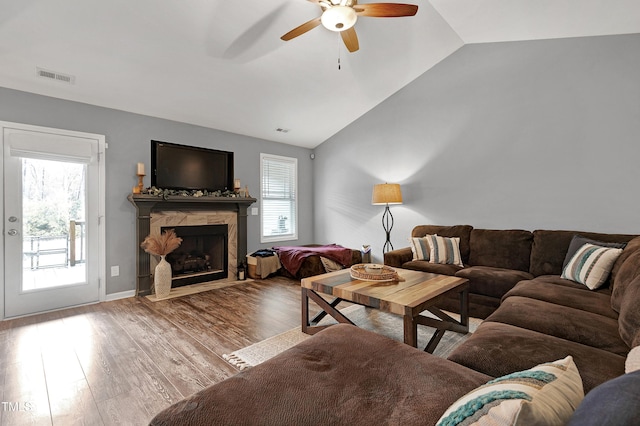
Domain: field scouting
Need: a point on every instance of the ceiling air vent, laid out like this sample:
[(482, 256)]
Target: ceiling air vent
[(53, 75)]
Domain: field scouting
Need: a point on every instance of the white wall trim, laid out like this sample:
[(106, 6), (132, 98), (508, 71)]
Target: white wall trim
[(121, 295)]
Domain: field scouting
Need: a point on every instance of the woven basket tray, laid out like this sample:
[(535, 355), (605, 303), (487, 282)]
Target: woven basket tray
[(386, 274)]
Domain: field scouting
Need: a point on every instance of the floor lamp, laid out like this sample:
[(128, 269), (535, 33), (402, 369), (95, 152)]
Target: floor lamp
[(385, 194)]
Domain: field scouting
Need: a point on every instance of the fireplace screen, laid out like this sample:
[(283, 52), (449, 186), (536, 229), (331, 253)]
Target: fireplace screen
[(202, 256)]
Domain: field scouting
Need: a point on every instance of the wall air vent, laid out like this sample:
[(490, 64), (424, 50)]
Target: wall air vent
[(57, 76)]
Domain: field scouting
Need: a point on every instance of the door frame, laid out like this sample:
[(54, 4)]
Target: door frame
[(101, 201)]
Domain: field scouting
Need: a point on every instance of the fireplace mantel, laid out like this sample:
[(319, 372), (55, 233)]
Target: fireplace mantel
[(146, 204)]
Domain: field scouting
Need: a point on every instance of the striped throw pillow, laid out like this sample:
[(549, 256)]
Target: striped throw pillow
[(591, 265), (547, 394), (420, 248), (444, 250)]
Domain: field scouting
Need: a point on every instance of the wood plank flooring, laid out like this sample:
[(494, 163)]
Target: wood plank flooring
[(121, 362)]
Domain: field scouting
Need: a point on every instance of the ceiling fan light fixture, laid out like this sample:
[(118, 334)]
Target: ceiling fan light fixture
[(339, 18)]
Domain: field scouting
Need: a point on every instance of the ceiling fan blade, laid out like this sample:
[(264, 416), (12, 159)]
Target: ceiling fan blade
[(386, 10), (350, 39), (297, 31)]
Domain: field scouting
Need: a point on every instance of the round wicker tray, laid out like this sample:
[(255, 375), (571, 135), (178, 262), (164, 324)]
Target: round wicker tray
[(386, 274)]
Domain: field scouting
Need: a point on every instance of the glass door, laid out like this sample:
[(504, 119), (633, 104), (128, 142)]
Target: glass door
[(51, 221)]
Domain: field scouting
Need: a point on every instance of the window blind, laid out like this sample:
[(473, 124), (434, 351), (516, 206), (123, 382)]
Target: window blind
[(279, 198)]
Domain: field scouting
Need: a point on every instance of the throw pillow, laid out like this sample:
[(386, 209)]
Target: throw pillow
[(578, 241), (633, 360), (420, 248), (614, 403), (591, 265), (444, 250), (545, 394)]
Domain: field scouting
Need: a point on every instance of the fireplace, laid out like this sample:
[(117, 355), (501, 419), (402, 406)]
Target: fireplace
[(174, 212), (202, 256)]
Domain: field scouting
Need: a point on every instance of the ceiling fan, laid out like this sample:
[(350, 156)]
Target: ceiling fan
[(341, 16)]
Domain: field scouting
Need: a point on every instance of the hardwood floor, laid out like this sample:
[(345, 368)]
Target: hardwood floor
[(121, 362)]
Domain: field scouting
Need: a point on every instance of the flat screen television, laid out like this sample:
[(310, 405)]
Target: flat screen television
[(176, 166)]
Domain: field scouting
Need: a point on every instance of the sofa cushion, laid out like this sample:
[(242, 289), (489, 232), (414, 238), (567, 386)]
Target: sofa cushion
[(628, 271), (550, 248), (578, 241), (612, 403), (573, 297), (419, 248), (629, 320), (560, 321), (341, 375), (434, 268), (444, 250), (494, 282), (508, 249), (545, 394), (591, 265), (461, 231), (497, 349)]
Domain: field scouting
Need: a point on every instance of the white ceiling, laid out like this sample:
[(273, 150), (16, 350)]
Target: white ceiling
[(221, 63)]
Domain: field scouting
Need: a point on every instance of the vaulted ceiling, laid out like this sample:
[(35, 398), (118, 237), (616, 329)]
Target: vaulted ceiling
[(221, 63)]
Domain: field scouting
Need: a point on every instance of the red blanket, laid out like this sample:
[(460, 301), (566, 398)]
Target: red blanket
[(291, 258)]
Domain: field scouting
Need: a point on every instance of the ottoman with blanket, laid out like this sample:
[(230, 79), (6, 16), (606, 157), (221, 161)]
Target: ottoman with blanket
[(305, 261)]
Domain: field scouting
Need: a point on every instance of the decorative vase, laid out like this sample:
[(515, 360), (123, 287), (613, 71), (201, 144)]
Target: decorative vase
[(162, 278)]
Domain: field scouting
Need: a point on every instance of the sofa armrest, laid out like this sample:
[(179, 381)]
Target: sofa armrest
[(398, 257)]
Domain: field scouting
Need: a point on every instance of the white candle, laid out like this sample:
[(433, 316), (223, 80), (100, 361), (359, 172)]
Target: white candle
[(140, 168)]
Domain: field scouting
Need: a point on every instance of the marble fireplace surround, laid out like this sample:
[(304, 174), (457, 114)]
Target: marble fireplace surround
[(175, 219), (154, 213)]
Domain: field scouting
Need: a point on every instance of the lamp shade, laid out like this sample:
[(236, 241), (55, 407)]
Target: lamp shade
[(386, 193)]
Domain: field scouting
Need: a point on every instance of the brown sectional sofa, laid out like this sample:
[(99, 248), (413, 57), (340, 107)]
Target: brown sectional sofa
[(346, 375), (496, 260), (547, 316)]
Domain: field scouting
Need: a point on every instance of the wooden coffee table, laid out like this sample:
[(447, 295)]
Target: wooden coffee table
[(419, 292)]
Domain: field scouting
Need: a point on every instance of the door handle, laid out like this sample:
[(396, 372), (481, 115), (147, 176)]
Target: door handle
[(12, 232)]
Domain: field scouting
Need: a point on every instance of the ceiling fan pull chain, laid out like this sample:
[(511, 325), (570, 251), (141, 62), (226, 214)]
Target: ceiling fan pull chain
[(339, 67)]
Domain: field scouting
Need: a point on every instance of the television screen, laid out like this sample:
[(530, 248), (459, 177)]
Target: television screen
[(186, 167)]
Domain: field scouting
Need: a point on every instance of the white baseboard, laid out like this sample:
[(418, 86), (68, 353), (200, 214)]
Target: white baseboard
[(121, 295)]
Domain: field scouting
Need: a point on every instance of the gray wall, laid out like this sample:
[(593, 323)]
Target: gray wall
[(128, 136), (530, 135)]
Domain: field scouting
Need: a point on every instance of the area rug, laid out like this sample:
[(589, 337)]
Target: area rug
[(370, 319)]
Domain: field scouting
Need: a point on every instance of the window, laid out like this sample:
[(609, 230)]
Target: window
[(279, 181)]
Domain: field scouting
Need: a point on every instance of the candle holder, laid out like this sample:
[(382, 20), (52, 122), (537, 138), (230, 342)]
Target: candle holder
[(140, 183)]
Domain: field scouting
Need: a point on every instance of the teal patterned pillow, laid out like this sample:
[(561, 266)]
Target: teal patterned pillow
[(591, 265), (547, 394)]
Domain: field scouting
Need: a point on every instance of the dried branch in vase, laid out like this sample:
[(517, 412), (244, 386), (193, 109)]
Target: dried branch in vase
[(161, 245)]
